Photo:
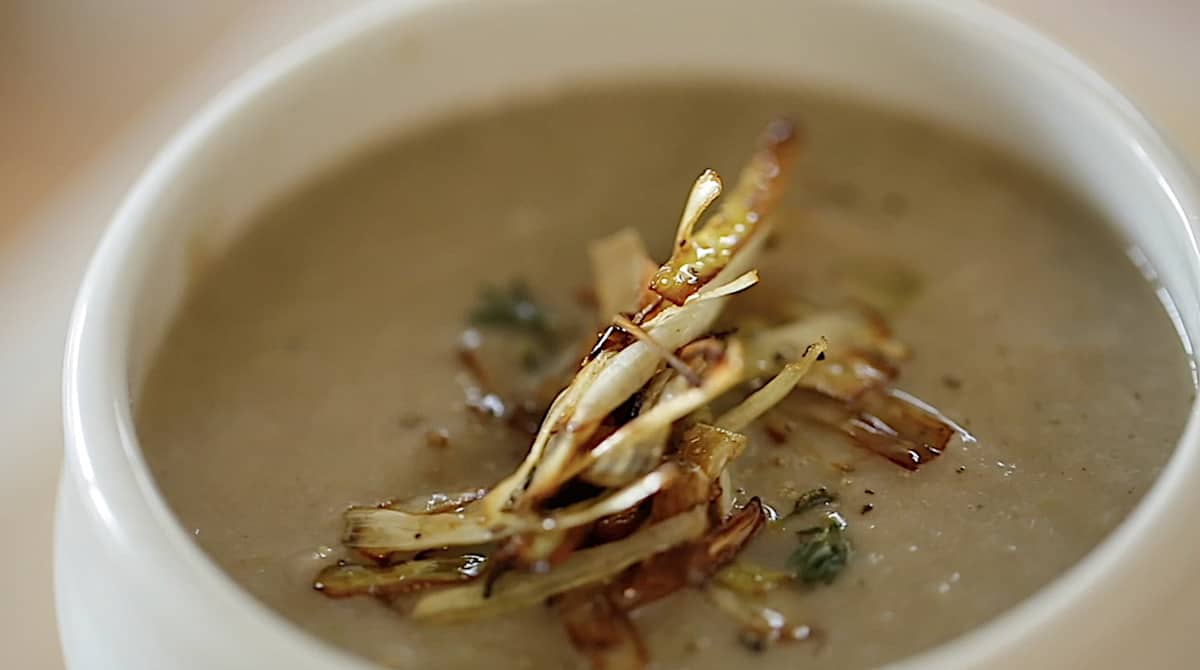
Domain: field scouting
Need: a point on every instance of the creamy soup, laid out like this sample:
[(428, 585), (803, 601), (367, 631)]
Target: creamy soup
[(314, 365)]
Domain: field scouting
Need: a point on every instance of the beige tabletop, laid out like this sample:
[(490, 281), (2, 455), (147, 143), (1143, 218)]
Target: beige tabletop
[(88, 90)]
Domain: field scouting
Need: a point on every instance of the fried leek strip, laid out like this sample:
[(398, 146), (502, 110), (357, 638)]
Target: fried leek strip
[(632, 459), (375, 529), (613, 378), (721, 377), (886, 422), (436, 503), (517, 590), (558, 418), (847, 331), (689, 565), (347, 579), (701, 256), (774, 391)]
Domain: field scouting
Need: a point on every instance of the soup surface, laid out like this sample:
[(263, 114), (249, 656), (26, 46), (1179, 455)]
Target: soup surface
[(310, 363)]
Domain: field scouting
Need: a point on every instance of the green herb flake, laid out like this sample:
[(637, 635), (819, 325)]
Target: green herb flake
[(513, 308), (823, 552)]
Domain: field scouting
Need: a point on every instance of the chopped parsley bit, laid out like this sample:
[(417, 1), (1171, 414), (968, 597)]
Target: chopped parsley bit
[(823, 552), (824, 549)]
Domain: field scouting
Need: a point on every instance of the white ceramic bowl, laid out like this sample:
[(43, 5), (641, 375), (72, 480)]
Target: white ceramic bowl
[(134, 592)]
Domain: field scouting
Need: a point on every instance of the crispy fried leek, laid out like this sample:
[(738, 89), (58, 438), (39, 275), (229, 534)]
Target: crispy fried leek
[(620, 525), (710, 448), (732, 239), (517, 590), (774, 391), (701, 255), (729, 288), (721, 377), (378, 530), (347, 579), (846, 330), (691, 564), (632, 459), (612, 377), (851, 374), (887, 422), (375, 529), (705, 190), (436, 503), (558, 420), (538, 550)]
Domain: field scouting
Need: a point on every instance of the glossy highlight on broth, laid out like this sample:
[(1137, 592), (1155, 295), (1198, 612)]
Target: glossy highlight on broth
[(316, 366)]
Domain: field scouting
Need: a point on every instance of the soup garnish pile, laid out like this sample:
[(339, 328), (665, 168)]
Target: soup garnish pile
[(625, 496)]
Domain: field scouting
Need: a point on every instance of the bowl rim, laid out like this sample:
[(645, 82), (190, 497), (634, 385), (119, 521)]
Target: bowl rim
[(100, 436)]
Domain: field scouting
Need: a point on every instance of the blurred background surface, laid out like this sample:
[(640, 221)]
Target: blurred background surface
[(90, 89)]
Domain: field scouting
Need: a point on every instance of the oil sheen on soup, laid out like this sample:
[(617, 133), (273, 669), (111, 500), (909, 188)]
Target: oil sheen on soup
[(315, 365)]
